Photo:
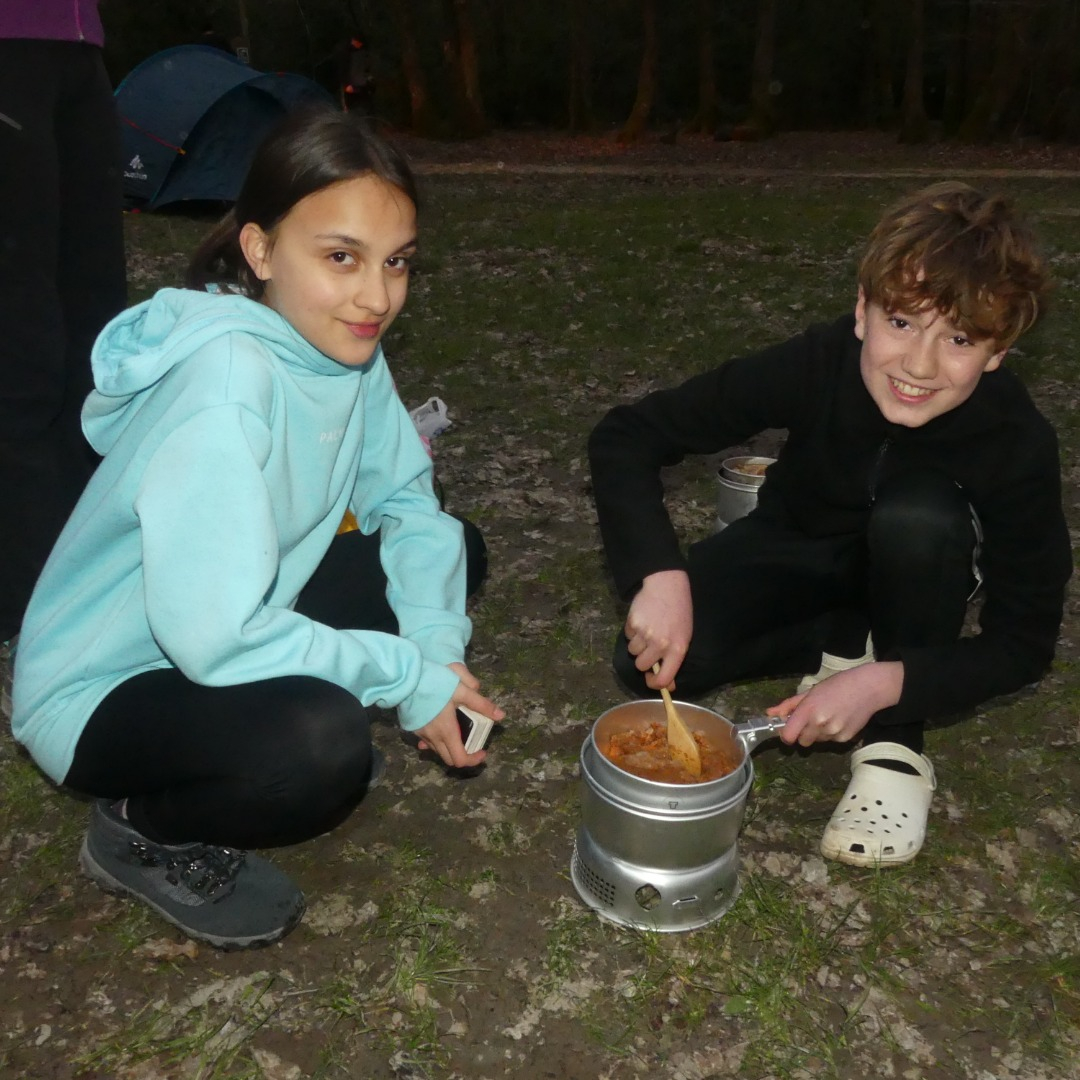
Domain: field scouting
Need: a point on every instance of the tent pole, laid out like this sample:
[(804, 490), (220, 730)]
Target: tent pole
[(245, 32)]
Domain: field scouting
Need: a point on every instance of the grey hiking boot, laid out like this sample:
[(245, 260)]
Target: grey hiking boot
[(228, 898)]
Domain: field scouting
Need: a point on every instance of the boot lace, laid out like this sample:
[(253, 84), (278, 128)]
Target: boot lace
[(209, 872)]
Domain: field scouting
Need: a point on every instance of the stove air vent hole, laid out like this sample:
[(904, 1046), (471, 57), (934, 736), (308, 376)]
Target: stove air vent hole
[(648, 897), (599, 886)]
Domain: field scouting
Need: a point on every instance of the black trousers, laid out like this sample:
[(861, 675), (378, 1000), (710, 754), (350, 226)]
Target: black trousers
[(257, 765), (62, 277), (768, 600)]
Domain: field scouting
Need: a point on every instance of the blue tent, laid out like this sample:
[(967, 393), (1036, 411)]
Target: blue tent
[(190, 119)]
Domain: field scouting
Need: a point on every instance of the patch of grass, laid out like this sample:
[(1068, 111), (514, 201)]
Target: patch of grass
[(731, 977), (212, 1039), (567, 936), (158, 249), (1052, 883), (40, 833), (408, 858), (396, 1000), (772, 987), (504, 838)]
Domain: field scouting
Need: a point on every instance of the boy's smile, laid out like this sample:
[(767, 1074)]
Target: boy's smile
[(337, 265), (918, 365)]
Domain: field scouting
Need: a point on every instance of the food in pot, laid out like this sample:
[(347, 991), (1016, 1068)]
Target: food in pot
[(750, 468), (644, 752)]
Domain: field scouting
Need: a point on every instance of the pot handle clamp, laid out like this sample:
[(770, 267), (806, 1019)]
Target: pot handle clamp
[(758, 730)]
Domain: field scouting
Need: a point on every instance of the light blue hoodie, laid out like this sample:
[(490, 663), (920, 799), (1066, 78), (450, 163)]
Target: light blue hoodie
[(232, 450)]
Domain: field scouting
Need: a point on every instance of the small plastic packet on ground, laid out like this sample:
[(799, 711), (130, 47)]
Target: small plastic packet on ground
[(431, 418)]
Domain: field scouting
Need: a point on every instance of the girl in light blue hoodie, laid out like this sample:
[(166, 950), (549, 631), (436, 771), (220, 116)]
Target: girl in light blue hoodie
[(204, 647)]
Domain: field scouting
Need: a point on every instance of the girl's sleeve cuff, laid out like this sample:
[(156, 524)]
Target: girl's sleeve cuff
[(437, 686)]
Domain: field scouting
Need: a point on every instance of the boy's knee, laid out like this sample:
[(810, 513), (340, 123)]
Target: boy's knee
[(917, 513), (622, 663), (476, 556), (693, 679)]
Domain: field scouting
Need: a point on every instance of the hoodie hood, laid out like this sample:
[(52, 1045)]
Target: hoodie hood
[(143, 344)]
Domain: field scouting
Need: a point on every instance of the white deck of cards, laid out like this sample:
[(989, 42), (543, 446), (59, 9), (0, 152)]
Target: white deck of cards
[(478, 733)]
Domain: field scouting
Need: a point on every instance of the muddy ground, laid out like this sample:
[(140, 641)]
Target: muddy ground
[(444, 937)]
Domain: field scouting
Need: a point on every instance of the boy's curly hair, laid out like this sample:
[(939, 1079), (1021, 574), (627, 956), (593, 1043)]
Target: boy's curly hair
[(968, 255)]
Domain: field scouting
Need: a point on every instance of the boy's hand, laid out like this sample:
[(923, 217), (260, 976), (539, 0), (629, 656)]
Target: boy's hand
[(443, 734), (659, 625), (838, 708)]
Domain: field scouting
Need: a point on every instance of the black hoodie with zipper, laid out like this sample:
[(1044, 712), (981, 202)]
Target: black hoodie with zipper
[(996, 445)]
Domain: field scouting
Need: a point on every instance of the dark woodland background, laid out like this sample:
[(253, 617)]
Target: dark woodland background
[(971, 70)]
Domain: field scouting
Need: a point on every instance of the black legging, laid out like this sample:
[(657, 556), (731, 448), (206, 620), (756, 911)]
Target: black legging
[(768, 600), (62, 277), (256, 765)]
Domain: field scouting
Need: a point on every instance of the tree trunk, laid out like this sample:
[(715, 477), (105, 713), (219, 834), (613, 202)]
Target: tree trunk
[(1056, 95), (868, 104), (914, 127), (1009, 64), (978, 49), (465, 67), (580, 98), (879, 103), (707, 112), (422, 119), (646, 88), (762, 118), (957, 33)]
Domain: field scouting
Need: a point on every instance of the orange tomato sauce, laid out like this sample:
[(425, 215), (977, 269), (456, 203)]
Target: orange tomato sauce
[(644, 752)]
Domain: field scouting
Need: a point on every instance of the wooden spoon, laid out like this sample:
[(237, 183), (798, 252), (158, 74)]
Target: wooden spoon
[(681, 744)]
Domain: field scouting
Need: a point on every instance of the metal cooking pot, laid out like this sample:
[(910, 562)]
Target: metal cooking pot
[(655, 855), (737, 493)]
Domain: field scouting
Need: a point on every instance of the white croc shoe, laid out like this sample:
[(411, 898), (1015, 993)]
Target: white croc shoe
[(833, 665), (881, 820)]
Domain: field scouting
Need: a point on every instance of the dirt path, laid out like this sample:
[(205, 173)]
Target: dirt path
[(487, 168), (834, 155)]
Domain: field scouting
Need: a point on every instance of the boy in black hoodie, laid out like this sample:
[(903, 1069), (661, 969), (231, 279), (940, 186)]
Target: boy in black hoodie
[(915, 468)]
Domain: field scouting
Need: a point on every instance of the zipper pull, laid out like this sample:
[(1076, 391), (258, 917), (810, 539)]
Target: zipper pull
[(875, 472)]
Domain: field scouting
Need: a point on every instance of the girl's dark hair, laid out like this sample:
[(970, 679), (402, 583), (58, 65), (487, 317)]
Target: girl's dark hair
[(310, 149)]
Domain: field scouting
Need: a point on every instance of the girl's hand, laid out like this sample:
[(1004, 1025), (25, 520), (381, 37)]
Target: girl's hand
[(466, 676), (838, 708), (443, 734), (659, 625)]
